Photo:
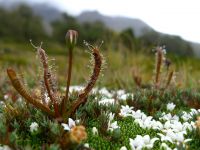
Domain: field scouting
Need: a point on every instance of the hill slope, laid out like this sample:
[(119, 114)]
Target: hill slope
[(116, 23), (50, 13)]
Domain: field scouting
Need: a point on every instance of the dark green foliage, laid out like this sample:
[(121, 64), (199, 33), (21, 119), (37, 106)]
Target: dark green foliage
[(87, 31), (2, 128), (195, 136), (60, 28), (20, 25), (128, 38), (174, 44), (103, 123), (96, 31)]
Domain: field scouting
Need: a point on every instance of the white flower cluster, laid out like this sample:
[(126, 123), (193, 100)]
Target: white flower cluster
[(77, 88), (107, 96), (141, 118), (121, 95), (107, 101), (171, 129)]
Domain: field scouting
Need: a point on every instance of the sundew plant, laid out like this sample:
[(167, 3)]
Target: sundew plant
[(156, 115)]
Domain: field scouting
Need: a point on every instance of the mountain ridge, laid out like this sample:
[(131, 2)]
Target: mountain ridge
[(50, 13), (116, 23)]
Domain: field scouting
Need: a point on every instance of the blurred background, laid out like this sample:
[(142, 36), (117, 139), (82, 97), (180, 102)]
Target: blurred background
[(129, 29)]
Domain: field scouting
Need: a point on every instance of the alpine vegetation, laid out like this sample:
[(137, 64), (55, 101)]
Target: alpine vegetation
[(157, 115)]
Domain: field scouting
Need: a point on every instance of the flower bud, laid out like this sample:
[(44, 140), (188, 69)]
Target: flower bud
[(78, 134), (71, 38)]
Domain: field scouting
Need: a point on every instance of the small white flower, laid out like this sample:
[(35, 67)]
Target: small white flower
[(86, 145), (188, 126), (123, 148), (175, 136), (77, 121), (171, 106), (71, 124), (6, 96), (193, 111), (165, 138), (138, 114), (136, 143), (112, 126), (180, 137), (157, 125), (171, 134), (126, 111), (94, 131), (165, 146), (186, 116), (168, 117), (187, 140), (120, 92), (147, 120), (175, 126), (34, 126), (2, 103), (126, 96), (123, 97), (19, 99), (149, 142)]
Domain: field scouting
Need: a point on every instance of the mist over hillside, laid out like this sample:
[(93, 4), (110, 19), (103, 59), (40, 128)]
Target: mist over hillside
[(116, 23), (50, 13)]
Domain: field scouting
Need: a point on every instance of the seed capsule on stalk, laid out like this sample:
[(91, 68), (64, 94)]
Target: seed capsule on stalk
[(71, 38)]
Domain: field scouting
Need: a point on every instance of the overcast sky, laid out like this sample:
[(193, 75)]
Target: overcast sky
[(179, 17)]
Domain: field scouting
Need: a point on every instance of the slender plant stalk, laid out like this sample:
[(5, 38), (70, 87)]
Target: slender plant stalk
[(82, 98), (23, 92), (48, 80), (71, 40), (69, 72), (170, 75), (159, 58)]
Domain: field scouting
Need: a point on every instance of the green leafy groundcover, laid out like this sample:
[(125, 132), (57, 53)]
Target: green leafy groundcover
[(154, 116), (97, 117), (128, 129)]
